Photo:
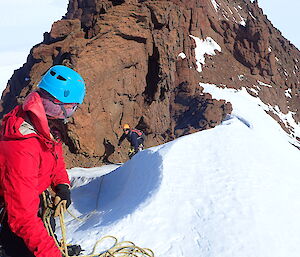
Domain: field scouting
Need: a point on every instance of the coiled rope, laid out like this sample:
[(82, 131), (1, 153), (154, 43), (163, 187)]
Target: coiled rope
[(118, 249)]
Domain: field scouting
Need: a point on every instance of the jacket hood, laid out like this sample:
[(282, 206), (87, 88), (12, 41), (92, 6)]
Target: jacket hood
[(31, 111)]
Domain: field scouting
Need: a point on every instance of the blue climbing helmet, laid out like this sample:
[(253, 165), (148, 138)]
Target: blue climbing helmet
[(63, 83)]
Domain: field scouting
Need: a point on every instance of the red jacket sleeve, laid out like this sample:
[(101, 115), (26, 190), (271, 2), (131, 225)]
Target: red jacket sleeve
[(60, 175), (20, 185)]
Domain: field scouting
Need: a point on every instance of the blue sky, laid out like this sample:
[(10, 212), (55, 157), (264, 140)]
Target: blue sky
[(285, 16), (23, 23)]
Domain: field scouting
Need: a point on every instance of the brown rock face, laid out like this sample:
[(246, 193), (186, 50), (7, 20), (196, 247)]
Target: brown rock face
[(128, 53)]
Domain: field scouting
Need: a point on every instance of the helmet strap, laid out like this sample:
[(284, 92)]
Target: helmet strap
[(65, 113)]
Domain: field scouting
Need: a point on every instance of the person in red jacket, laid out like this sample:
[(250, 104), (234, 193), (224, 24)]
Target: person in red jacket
[(31, 160)]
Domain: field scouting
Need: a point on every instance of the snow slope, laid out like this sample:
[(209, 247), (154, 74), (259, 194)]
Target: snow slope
[(230, 191)]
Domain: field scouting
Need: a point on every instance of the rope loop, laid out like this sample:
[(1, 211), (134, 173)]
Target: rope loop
[(118, 249)]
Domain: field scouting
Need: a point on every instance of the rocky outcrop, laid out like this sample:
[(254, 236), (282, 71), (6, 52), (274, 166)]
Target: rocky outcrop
[(128, 52)]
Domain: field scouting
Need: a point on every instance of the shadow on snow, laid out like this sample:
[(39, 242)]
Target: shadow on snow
[(118, 194)]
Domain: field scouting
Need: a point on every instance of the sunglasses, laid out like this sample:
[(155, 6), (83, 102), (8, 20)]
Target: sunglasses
[(55, 109)]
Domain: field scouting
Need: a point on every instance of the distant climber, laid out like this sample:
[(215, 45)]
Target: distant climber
[(135, 137), (32, 161)]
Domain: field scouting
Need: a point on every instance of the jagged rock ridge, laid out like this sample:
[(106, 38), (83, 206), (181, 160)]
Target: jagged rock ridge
[(128, 53)]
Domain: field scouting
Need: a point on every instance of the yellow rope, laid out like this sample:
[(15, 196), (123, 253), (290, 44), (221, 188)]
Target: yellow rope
[(76, 218), (121, 249)]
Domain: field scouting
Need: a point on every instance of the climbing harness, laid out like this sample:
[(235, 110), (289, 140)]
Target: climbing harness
[(118, 249)]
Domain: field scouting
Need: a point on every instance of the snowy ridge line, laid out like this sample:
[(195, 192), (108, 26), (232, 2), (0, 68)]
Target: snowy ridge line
[(234, 96), (82, 176), (228, 187), (229, 191)]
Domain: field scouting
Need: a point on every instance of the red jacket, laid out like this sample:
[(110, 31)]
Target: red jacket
[(30, 162)]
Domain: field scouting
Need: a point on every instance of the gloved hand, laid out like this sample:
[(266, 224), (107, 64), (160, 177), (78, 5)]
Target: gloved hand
[(74, 250), (62, 193)]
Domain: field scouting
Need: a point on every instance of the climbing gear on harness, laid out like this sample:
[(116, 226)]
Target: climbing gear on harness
[(64, 84)]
